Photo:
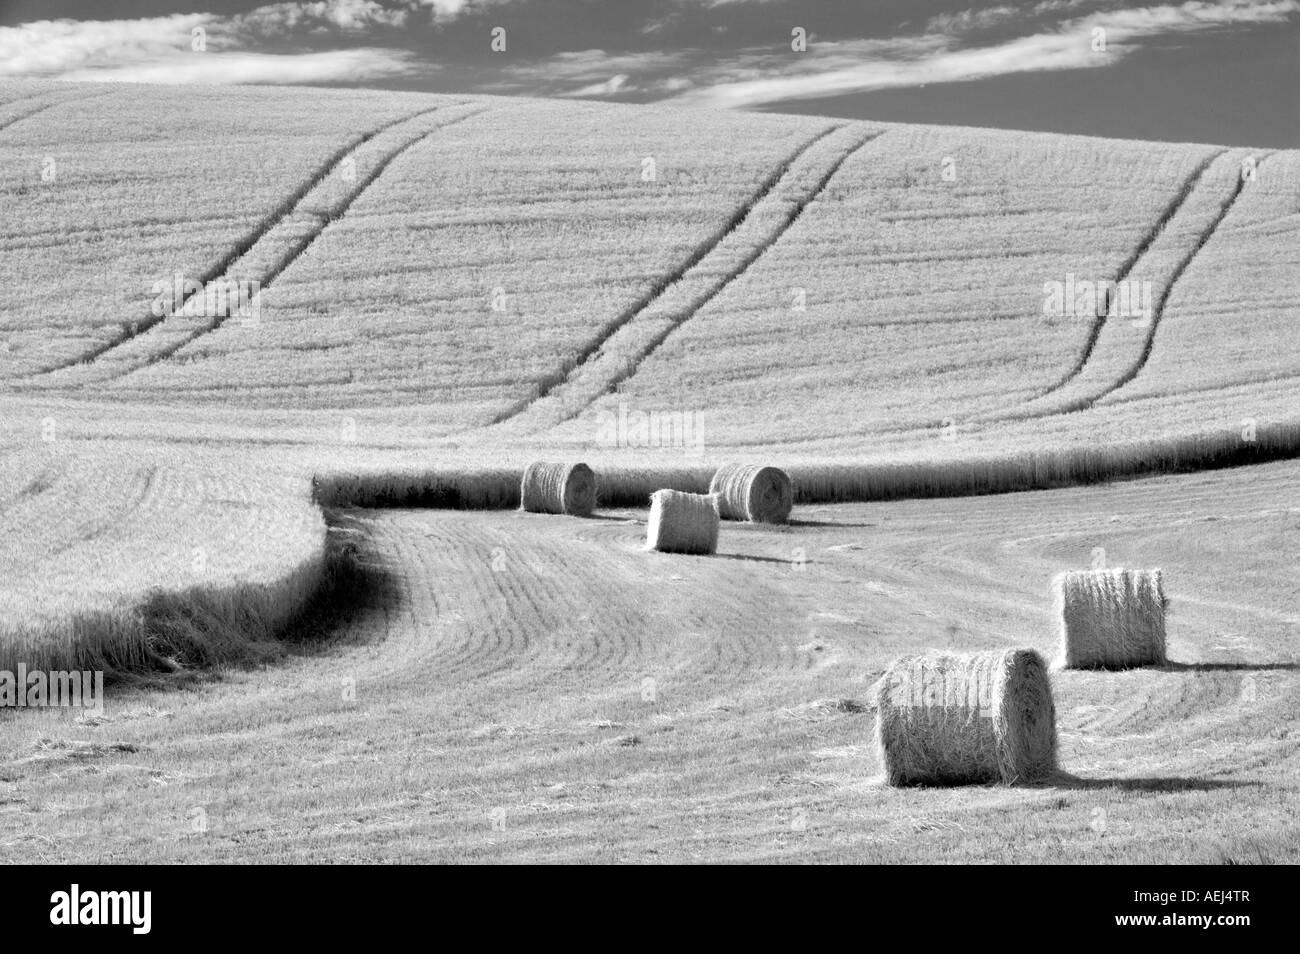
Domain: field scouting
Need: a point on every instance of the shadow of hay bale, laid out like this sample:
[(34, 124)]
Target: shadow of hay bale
[(1147, 784), (1228, 667)]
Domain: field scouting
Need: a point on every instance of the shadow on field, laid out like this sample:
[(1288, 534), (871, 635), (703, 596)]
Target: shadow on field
[(1229, 667), (357, 583), (755, 559), (832, 523), (1152, 784), (615, 518)]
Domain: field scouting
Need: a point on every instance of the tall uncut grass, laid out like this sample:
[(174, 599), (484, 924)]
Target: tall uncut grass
[(121, 563), (630, 485)]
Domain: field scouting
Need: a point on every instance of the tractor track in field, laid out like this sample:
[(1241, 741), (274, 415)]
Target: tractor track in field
[(1059, 399), (36, 110), (597, 369), (1040, 405), (757, 253), (297, 250), (1159, 309), (249, 247), (50, 100), (1123, 272)]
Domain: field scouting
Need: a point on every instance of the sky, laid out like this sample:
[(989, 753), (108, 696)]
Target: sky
[(1222, 71)]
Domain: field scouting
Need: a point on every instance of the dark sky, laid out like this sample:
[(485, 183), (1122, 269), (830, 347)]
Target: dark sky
[(1190, 91), (1210, 70)]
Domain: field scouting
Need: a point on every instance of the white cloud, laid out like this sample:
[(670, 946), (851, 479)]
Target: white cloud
[(983, 18), (1066, 47), (596, 73), (346, 15), (447, 10), (230, 68), (611, 87), (1026, 54), (51, 47), (587, 73), (1170, 18), (158, 49), (760, 76), (966, 20)]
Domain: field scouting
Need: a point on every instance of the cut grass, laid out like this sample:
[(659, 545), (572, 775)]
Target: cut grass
[(459, 713)]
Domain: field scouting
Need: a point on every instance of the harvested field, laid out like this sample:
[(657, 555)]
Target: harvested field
[(523, 690)]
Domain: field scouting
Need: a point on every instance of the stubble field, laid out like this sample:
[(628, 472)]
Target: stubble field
[(536, 688)]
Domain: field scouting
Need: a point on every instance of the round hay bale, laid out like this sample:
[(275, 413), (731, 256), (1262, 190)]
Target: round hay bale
[(753, 492), (1111, 619), (550, 487), (947, 718), (682, 523)]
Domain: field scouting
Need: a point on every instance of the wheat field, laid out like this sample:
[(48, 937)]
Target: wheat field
[(284, 522)]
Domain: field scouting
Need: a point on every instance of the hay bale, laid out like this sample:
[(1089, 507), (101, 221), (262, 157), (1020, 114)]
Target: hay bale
[(558, 488), (682, 522), (753, 492), (947, 718), (1111, 619)]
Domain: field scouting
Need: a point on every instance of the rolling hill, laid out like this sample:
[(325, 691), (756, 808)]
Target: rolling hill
[(474, 276)]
